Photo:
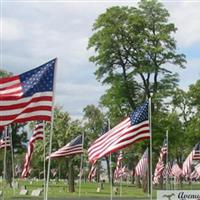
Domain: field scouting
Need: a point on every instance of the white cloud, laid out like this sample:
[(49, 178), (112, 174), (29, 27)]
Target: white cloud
[(74, 97), (11, 29), (189, 75), (186, 16)]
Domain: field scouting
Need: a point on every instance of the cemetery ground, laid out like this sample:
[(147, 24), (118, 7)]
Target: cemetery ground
[(59, 191)]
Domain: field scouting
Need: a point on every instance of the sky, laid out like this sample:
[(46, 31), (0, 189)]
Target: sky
[(34, 32)]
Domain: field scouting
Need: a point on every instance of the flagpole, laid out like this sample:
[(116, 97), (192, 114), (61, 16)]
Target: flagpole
[(81, 168), (150, 160), (51, 133), (110, 162), (167, 159), (4, 163), (12, 157), (121, 181), (5, 157), (148, 177), (44, 170), (111, 187), (120, 186)]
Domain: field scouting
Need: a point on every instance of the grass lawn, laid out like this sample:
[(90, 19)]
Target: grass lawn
[(59, 190)]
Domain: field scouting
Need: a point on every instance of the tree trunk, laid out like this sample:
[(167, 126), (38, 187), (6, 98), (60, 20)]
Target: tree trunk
[(161, 182), (138, 183), (9, 168), (144, 184), (133, 179), (98, 173), (71, 176), (108, 167)]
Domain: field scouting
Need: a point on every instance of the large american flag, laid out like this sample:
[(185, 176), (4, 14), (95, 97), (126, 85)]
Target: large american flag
[(38, 134), (72, 148), (142, 166), (27, 96), (161, 163), (176, 170), (118, 169), (134, 128), (188, 162)]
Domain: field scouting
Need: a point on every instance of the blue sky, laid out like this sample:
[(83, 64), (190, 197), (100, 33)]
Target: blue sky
[(35, 32)]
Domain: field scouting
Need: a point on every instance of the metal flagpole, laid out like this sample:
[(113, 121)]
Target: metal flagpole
[(4, 163), (111, 187), (44, 148), (51, 134), (148, 176), (81, 168), (150, 160), (120, 186), (110, 162), (167, 160), (80, 174), (12, 157), (121, 181)]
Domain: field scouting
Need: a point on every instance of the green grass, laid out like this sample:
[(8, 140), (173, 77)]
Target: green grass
[(60, 190)]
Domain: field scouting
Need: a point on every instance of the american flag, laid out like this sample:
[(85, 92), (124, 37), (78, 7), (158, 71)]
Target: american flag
[(194, 175), (28, 96), (5, 140), (118, 166), (161, 163), (72, 148), (176, 170), (92, 172), (197, 169), (37, 135), (18, 170), (188, 162), (54, 172), (142, 166), (167, 170), (196, 152), (81, 173), (124, 171), (134, 128)]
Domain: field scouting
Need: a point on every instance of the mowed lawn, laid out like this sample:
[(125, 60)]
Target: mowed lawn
[(59, 190)]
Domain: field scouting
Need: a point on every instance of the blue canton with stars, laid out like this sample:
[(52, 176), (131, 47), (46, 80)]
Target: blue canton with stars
[(140, 114), (39, 79), (76, 141)]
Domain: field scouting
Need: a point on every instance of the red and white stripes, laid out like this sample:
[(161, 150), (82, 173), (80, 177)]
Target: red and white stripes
[(118, 170), (160, 164), (142, 166), (37, 135), (92, 172)]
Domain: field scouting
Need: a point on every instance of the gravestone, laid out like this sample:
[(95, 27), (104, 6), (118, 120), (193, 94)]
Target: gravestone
[(98, 189), (1, 193), (15, 185), (23, 192), (37, 192), (116, 190)]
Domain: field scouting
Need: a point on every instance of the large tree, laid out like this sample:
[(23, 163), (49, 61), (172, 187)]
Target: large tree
[(138, 44)]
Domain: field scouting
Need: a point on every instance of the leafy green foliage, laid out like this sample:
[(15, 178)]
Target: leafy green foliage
[(136, 43)]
